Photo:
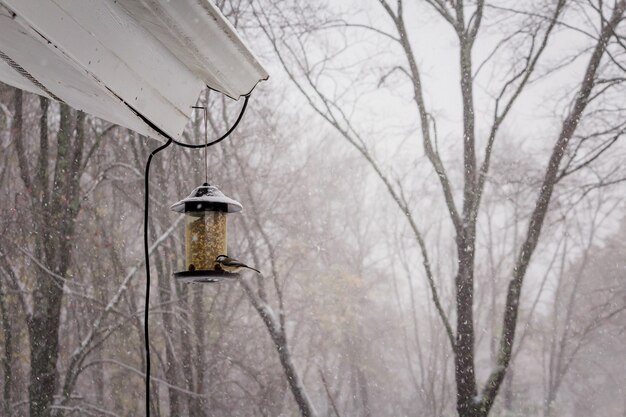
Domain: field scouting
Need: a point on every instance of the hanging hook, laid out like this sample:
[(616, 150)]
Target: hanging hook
[(224, 136), (206, 141)]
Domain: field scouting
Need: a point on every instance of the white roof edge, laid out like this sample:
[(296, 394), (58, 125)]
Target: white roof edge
[(225, 64), (138, 63)]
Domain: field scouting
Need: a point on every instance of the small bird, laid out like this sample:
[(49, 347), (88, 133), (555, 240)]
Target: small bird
[(232, 265)]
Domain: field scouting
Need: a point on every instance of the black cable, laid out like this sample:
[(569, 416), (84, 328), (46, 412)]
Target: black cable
[(146, 330), (146, 207), (224, 136)]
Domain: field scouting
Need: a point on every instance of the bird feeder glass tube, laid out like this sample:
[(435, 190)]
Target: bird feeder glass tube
[(205, 239), (206, 211)]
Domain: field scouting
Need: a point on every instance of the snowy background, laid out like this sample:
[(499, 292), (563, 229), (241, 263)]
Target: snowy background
[(352, 164)]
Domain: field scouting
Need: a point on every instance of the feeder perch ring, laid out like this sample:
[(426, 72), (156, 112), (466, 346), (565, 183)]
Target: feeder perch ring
[(205, 276)]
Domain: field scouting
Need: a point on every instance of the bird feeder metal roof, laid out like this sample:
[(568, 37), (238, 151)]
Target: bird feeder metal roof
[(207, 197), (138, 63)]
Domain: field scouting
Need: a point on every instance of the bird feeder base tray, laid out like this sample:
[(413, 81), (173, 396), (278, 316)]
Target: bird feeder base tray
[(204, 276)]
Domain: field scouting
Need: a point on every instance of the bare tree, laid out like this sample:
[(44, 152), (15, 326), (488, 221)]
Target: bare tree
[(257, 294), (54, 204), (344, 296), (288, 41)]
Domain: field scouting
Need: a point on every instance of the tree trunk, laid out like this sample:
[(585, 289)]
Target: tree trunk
[(279, 338), (164, 290), (8, 352), (295, 383), (508, 390), (54, 224), (467, 404)]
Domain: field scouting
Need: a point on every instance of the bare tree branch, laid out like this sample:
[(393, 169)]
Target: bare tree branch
[(539, 213)]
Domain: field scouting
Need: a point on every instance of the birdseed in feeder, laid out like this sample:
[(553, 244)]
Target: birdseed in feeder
[(205, 239)]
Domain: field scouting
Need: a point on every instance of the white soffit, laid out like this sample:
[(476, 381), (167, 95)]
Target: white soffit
[(138, 63)]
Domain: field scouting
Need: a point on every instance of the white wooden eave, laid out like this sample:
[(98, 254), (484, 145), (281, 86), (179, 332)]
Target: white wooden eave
[(138, 63)]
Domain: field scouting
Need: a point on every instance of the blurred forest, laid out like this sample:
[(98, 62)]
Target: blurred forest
[(434, 192)]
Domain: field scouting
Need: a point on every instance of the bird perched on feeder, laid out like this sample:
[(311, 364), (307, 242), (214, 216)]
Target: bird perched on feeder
[(232, 265)]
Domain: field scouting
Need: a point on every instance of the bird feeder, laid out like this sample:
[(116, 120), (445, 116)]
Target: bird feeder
[(205, 211)]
